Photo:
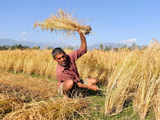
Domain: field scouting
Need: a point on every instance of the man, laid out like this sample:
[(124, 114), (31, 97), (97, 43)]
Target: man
[(66, 71)]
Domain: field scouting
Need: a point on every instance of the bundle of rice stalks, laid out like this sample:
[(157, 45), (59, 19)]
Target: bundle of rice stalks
[(62, 21), (60, 109), (121, 83), (9, 104)]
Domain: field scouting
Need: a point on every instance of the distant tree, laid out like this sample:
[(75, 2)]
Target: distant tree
[(107, 48), (4, 47), (101, 47), (17, 46), (49, 48), (36, 47), (133, 46), (124, 46), (70, 47)]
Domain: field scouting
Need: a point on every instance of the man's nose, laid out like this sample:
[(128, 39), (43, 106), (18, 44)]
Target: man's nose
[(62, 59)]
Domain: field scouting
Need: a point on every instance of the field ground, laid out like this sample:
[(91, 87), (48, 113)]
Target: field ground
[(27, 89)]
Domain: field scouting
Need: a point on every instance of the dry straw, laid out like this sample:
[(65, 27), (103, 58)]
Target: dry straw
[(59, 109), (8, 104), (64, 22)]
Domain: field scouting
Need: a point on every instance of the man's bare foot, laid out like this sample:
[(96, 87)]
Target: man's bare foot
[(65, 97), (93, 87)]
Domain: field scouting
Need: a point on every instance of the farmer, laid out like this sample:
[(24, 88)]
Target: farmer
[(66, 71)]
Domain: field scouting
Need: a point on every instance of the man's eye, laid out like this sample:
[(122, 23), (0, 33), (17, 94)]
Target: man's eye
[(60, 57)]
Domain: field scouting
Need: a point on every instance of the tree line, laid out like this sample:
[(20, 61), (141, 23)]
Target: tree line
[(101, 47), (17, 46)]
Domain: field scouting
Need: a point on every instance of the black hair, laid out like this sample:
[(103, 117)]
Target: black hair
[(56, 51)]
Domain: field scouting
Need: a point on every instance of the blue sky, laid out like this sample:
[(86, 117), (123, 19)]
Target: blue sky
[(115, 21)]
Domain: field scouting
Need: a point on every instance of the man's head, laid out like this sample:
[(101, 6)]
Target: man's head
[(61, 57)]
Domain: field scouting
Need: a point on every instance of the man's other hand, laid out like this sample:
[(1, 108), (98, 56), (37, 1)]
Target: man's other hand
[(93, 87), (58, 84)]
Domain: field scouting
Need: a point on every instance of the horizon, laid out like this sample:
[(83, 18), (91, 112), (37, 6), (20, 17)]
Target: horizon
[(9, 42)]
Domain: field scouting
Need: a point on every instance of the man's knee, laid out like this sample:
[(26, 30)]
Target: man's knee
[(92, 81), (68, 84)]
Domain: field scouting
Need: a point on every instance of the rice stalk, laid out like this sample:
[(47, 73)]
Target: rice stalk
[(156, 102), (149, 78), (145, 99)]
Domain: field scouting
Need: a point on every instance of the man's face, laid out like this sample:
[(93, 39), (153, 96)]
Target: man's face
[(62, 59)]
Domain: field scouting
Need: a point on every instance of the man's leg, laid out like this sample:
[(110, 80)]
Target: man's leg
[(67, 86), (92, 83)]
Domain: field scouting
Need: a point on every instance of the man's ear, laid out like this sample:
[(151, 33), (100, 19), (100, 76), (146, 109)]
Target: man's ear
[(54, 59)]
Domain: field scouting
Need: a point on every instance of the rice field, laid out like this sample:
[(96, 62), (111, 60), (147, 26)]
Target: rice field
[(128, 79)]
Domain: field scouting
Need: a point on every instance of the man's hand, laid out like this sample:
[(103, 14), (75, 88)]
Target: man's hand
[(91, 87), (58, 84), (82, 85), (85, 32), (79, 31)]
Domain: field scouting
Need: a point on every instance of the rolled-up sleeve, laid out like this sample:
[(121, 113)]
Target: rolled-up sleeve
[(58, 77), (78, 53), (58, 74)]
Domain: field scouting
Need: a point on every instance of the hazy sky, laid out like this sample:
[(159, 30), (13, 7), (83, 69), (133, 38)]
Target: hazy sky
[(111, 20)]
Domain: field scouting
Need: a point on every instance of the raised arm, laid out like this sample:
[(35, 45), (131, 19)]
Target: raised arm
[(83, 40), (83, 47)]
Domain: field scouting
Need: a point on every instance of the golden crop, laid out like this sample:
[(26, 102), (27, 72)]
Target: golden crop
[(126, 75)]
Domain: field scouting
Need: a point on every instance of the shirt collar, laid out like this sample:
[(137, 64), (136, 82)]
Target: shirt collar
[(61, 68)]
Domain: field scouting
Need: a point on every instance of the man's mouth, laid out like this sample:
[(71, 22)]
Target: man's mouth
[(64, 62)]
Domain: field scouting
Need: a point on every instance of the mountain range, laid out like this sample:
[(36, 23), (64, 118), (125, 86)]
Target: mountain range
[(11, 42)]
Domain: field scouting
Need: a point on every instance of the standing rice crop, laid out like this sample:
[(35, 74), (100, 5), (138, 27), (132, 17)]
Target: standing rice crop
[(148, 82), (135, 79), (121, 82), (156, 102)]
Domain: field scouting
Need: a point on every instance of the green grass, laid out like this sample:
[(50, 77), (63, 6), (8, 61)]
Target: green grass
[(97, 111)]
